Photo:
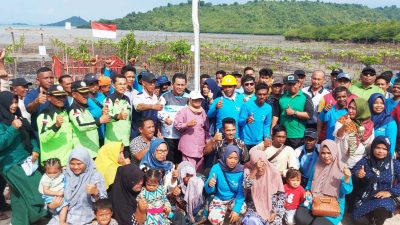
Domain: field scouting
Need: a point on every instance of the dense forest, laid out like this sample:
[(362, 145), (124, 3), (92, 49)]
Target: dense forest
[(295, 19)]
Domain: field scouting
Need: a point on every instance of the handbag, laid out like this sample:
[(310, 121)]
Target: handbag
[(325, 206)]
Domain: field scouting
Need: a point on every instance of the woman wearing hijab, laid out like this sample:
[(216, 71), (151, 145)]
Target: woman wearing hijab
[(265, 198), (377, 171), (384, 124), (156, 158), (354, 132), (109, 158), (330, 178), (17, 143), (210, 91), (226, 182), (84, 185), (127, 186)]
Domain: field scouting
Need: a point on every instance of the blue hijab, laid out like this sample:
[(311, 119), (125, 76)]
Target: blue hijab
[(222, 162), (382, 118), (213, 86), (149, 159)]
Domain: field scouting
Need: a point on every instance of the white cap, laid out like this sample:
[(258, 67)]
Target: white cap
[(195, 95)]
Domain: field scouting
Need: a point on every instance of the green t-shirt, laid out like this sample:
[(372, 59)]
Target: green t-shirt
[(295, 127)]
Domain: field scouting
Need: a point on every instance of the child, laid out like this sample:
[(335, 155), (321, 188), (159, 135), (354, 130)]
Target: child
[(158, 206), (294, 194), (52, 185), (103, 211)]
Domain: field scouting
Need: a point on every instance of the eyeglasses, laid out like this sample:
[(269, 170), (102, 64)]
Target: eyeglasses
[(249, 84)]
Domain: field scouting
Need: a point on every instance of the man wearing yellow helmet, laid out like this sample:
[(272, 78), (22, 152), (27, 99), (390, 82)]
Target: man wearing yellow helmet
[(229, 104)]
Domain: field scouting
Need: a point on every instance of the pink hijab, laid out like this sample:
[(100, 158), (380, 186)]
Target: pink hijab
[(264, 186), (327, 178)]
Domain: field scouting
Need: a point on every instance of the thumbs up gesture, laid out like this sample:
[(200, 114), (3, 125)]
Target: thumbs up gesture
[(42, 98), (347, 172), (212, 181), (16, 123), (289, 111), (260, 164), (59, 120), (361, 173), (218, 136)]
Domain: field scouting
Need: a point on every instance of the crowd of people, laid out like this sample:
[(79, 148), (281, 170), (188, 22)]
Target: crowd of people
[(133, 148)]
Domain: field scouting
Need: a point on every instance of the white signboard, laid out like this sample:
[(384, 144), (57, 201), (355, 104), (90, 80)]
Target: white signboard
[(42, 50), (68, 25)]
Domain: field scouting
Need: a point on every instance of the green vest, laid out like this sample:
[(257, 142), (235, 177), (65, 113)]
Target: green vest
[(118, 130), (294, 126)]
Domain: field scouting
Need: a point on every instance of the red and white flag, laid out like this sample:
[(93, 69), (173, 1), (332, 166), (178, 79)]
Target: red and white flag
[(101, 30)]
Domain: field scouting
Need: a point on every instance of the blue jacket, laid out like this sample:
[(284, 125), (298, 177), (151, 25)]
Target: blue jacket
[(389, 130)]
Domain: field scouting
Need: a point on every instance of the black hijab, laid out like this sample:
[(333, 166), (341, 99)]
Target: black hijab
[(6, 117), (122, 196)]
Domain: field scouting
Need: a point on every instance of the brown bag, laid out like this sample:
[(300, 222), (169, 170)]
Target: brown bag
[(325, 206)]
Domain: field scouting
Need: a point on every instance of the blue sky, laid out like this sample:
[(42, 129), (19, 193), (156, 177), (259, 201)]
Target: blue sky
[(48, 11)]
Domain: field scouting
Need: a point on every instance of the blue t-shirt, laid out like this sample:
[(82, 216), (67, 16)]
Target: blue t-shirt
[(330, 118), (29, 98), (95, 106)]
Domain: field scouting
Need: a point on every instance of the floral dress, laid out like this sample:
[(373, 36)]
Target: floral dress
[(278, 205), (156, 201)]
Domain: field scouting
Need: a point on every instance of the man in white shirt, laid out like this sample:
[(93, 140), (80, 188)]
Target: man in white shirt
[(20, 87)]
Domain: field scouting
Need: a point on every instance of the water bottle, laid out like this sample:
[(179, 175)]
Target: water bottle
[(307, 202)]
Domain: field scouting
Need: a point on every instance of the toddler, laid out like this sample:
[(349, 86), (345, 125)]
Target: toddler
[(158, 206), (103, 211), (52, 185), (294, 194)]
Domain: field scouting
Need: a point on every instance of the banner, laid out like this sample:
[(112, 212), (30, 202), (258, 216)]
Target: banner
[(101, 30)]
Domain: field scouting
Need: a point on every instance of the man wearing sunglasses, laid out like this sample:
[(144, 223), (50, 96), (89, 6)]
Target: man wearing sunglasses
[(55, 130), (366, 87), (248, 84)]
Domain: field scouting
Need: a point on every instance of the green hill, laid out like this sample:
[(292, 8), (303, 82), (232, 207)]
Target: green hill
[(75, 21), (255, 17)]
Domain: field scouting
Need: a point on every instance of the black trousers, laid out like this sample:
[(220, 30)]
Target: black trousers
[(294, 142), (376, 217), (303, 216), (174, 155), (2, 187)]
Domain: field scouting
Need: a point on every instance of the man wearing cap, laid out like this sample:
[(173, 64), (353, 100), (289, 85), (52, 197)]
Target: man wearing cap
[(391, 103), (296, 108), (308, 154), (84, 125), (366, 87), (20, 87), (164, 83), (238, 77), (248, 84), (193, 126), (36, 99), (129, 72), (273, 99), (119, 108), (173, 101), (228, 105), (255, 118), (301, 74), (334, 73), (146, 104), (316, 92), (55, 130)]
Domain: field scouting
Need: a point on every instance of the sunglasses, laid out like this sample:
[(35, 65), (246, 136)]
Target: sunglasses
[(59, 96), (369, 75), (249, 84)]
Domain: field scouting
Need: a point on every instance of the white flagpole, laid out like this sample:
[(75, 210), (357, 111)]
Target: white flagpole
[(196, 30)]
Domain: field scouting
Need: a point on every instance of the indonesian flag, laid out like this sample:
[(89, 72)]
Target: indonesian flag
[(101, 30)]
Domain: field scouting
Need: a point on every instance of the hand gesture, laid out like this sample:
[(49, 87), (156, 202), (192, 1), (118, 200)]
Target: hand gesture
[(57, 202), (105, 119), (123, 115), (212, 181), (383, 194), (93, 61), (307, 194), (328, 106), (219, 104), (2, 54), (167, 210), (104, 111), (16, 123), (361, 173), (250, 119), (91, 189), (289, 111), (168, 121), (157, 107), (42, 97), (233, 217), (218, 136), (267, 143), (191, 123), (176, 191), (59, 120), (260, 164), (142, 204), (35, 156), (210, 95)]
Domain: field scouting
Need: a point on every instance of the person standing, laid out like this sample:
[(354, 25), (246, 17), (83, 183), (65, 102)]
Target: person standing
[(20, 87), (366, 87)]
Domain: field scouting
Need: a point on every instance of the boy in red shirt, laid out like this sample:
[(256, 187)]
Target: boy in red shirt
[(294, 194)]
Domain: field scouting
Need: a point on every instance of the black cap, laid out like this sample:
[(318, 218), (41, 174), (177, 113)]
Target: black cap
[(236, 74), (56, 90), (368, 70), (79, 86), (312, 133), (291, 79), (20, 82), (299, 73), (336, 71), (146, 76), (90, 78)]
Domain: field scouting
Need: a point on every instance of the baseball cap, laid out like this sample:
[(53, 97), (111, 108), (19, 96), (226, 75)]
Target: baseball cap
[(195, 95), (277, 80), (312, 133), (343, 76), (336, 71), (291, 79), (56, 90), (369, 70), (236, 74), (146, 76), (20, 82), (104, 81), (79, 86), (90, 78), (299, 73), (163, 79)]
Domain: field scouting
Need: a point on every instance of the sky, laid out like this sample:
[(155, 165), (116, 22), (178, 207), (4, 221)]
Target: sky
[(37, 12)]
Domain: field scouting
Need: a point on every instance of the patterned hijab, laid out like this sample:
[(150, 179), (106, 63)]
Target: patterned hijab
[(327, 178)]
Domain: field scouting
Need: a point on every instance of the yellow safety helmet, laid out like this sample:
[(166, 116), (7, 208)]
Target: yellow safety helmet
[(228, 80)]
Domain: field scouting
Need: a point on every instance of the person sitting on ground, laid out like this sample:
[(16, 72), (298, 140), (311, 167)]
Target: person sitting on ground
[(330, 178), (265, 198), (294, 194), (140, 144), (103, 210), (226, 181)]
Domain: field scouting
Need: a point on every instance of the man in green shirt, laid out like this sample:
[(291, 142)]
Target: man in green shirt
[(54, 128), (366, 87), (84, 125), (296, 108)]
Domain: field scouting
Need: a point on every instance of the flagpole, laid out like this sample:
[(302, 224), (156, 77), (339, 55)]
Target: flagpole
[(196, 30)]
